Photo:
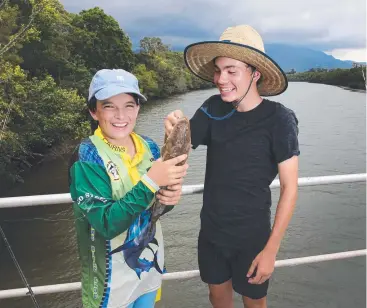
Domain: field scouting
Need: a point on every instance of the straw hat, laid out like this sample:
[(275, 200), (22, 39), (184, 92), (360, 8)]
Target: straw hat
[(242, 43)]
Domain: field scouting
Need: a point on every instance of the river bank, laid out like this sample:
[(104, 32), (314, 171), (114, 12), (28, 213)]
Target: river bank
[(346, 78)]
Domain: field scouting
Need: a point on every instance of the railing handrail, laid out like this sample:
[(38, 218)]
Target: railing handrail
[(53, 199), (188, 189), (74, 286)]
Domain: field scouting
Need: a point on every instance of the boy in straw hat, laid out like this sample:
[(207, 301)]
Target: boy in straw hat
[(249, 141)]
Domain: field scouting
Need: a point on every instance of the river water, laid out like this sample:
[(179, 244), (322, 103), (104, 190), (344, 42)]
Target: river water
[(328, 218)]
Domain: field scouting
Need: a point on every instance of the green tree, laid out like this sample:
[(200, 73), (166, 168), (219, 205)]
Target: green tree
[(352, 78), (13, 32), (172, 76), (99, 41), (147, 80), (35, 115), (152, 46), (47, 58), (50, 54)]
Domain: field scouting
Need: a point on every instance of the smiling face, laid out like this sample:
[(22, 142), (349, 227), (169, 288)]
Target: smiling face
[(116, 117), (232, 78)]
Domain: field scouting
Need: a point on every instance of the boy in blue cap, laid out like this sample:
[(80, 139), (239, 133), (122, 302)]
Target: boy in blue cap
[(115, 176)]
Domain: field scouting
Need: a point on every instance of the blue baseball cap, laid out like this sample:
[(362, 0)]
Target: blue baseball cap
[(110, 82)]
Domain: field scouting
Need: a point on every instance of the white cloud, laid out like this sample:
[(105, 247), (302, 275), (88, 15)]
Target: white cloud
[(321, 24), (359, 55)]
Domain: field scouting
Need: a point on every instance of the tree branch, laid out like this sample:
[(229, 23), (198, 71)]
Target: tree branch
[(10, 44), (3, 3), (364, 77)]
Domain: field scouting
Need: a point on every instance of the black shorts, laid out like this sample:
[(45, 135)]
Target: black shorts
[(218, 264)]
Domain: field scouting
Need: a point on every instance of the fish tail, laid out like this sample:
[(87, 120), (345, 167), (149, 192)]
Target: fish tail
[(156, 265), (125, 246), (138, 272)]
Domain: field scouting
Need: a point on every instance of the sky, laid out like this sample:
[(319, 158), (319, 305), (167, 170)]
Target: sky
[(335, 27)]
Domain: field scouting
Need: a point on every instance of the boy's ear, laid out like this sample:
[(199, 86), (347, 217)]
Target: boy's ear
[(93, 115), (256, 75)]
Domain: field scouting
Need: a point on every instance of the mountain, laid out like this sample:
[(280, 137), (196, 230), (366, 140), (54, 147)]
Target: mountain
[(302, 58), (299, 58)]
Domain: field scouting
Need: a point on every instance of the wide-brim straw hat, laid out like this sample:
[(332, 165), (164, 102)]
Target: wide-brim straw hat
[(242, 43)]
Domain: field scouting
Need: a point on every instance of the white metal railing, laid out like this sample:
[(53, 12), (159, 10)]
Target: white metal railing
[(75, 286), (186, 190)]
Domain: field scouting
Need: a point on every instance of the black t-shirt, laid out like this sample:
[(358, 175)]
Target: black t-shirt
[(243, 152)]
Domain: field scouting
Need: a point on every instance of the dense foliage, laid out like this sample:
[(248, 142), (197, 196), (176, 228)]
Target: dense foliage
[(47, 59), (351, 78)]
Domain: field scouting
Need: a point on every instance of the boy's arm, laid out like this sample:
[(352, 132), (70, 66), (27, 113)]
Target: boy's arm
[(91, 191), (286, 152)]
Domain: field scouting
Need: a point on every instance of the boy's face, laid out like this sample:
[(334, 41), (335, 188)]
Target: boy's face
[(116, 117), (232, 78)]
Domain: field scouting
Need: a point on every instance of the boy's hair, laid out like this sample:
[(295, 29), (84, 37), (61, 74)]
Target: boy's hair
[(92, 103)]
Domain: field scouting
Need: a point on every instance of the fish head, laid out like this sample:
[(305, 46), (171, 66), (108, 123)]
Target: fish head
[(178, 142)]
